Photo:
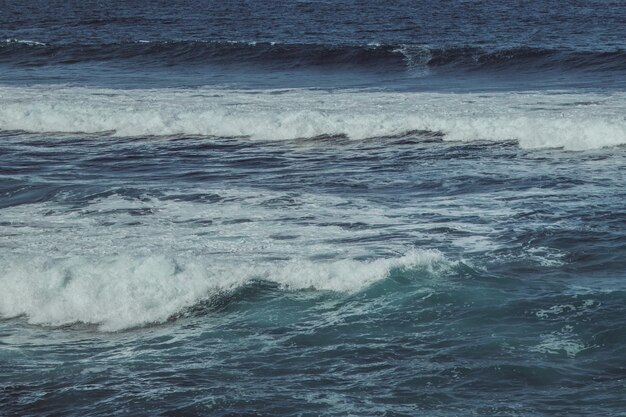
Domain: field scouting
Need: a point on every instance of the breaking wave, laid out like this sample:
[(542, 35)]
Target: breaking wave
[(123, 292), (536, 120)]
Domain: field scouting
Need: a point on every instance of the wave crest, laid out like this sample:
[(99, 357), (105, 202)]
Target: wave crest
[(123, 292), (386, 57), (536, 120)]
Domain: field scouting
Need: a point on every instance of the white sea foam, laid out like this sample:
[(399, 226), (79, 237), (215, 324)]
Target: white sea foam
[(24, 42), (121, 292), (536, 120), (121, 262), (561, 342)]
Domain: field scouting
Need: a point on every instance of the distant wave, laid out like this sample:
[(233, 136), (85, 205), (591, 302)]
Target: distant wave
[(536, 120), (23, 42), (384, 57)]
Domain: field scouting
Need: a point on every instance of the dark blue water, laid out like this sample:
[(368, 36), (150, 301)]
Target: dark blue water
[(403, 44), (312, 208)]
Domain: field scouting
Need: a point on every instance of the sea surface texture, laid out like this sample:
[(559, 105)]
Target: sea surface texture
[(312, 208)]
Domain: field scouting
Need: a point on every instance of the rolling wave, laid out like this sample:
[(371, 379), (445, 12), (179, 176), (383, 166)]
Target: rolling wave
[(536, 120), (384, 57), (125, 292)]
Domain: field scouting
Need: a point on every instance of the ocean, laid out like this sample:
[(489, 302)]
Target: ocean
[(312, 208)]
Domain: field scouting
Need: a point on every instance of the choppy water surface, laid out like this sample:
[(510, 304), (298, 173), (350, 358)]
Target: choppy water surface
[(264, 209)]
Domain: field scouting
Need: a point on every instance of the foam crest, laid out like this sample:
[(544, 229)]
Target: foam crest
[(123, 292), (23, 42), (535, 120)]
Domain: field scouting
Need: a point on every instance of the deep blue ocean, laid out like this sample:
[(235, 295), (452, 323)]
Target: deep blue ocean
[(312, 208)]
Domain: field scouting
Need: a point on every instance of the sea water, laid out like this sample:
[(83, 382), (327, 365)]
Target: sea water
[(313, 208)]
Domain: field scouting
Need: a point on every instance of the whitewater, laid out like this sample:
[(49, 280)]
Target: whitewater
[(84, 265), (553, 119)]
